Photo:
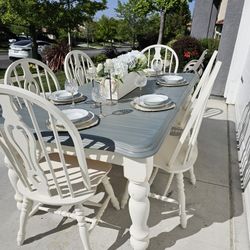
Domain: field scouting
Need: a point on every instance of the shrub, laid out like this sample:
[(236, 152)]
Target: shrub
[(211, 44), (187, 48), (145, 40), (54, 56), (99, 58), (110, 52)]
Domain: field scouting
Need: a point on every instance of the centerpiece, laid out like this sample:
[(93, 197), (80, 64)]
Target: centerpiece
[(119, 74)]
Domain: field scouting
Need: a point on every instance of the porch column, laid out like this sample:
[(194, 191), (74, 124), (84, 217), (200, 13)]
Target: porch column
[(204, 18), (227, 43)]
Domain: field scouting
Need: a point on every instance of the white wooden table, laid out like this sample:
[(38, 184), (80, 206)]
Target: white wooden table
[(130, 140)]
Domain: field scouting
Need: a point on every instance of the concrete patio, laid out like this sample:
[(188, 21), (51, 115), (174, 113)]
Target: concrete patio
[(215, 208)]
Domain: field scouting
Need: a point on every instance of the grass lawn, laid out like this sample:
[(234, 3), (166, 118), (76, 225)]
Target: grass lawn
[(60, 76), (2, 71)]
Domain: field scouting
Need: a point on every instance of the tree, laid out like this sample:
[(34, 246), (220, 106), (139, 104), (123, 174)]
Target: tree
[(48, 14), (106, 29), (176, 22), (134, 22), (144, 7)]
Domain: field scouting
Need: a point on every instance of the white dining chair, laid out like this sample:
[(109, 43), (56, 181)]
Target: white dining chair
[(32, 75), (179, 153), (196, 66), (186, 109), (76, 65), (184, 114), (163, 54), (47, 174)]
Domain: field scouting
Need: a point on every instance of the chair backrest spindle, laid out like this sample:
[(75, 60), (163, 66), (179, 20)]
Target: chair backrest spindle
[(23, 136), (76, 64), (163, 53), (192, 127)]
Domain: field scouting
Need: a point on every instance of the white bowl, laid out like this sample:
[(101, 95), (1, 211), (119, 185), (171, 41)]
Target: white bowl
[(172, 78), (154, 99)]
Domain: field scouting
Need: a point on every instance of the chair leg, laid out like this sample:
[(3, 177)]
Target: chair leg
[(26, 208), (79, 213), (182, 200), (168, 184), (125, 196), (109, 189), (192, 176), (153, 175)]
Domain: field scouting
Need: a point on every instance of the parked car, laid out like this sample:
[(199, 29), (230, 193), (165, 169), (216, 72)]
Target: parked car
[(19, 38), (23, 49)]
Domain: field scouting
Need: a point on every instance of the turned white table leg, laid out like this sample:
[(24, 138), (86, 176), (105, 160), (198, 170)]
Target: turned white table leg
[(13, 180), (139, 211), (138, 172)]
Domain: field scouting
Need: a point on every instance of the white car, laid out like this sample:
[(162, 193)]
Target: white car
[(23, 49)]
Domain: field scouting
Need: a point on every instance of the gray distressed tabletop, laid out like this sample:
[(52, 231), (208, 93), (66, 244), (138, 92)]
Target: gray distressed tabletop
[(134, 133)]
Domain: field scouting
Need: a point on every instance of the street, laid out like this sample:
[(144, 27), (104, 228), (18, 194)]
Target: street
[(5, 62)]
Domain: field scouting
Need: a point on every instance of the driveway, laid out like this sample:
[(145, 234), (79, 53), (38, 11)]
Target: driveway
[(4, 60)]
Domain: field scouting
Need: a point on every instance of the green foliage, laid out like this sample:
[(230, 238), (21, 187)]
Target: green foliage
[(149, 32), (176, 22), (106, 29), (54, 15), (146, 6), (133, 23), (54, 56), (162, 7), (99, 58), (187, 48), (211, 44), (110, 52)]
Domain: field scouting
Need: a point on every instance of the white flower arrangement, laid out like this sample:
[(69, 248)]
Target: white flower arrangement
[(119, 67)]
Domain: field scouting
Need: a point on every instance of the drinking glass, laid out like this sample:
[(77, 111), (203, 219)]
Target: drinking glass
[(99, 96), (140, 81), (72, 87), (91, 74), (157, 67)]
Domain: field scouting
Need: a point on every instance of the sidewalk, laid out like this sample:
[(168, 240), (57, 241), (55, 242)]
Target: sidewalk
[(215, 211)]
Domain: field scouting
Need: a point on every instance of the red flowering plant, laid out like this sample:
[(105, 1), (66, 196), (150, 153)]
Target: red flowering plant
[(187, 49)]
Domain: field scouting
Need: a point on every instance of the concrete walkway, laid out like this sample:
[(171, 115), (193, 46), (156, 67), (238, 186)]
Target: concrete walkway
[(215, 211)]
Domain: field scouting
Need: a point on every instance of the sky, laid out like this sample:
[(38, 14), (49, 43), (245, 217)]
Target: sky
[(112, 4)]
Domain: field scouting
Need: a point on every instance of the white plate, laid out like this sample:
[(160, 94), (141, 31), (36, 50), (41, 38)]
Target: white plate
[(172, 78), (169, 105), (154, 99), (62, 95), (149, 72), (93, 120)]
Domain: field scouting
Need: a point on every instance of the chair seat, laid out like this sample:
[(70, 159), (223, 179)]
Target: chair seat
[(162, 158), (96, 170)]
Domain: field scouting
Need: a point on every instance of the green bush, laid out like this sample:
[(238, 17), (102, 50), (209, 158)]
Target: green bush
[(145, 40), (99, 58), (211, 44), (187, 48)]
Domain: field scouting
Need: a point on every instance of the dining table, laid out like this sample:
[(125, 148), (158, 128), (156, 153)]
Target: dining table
[(129, 138)]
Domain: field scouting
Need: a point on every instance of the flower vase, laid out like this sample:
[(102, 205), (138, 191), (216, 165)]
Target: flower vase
[(120, 88)]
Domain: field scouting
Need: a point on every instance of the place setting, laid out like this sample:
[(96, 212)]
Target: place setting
[(153, 103), (70, 95), (171, 81), (81, 118), (150, 102)]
